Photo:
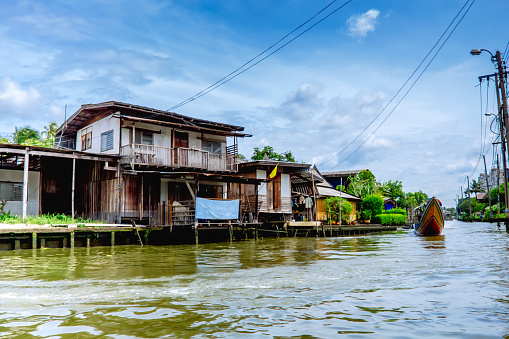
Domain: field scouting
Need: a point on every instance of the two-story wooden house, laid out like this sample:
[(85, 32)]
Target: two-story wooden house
[(165, 161)]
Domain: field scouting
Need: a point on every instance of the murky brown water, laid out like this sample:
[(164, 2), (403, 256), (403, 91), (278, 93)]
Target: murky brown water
[(394, 285)]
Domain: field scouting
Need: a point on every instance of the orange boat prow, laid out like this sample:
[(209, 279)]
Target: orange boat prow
[(431, 221)]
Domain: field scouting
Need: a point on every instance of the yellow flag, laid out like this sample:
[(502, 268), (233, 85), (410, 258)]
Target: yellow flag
[(273, 173)]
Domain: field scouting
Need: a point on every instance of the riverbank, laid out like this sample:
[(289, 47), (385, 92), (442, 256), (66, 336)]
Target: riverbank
[(30, 236)]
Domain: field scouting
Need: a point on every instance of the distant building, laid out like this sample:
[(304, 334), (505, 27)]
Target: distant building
[(493, 178), (340, 177)]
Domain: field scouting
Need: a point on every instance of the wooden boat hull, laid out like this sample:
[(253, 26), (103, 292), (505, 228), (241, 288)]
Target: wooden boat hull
[(432, 219)]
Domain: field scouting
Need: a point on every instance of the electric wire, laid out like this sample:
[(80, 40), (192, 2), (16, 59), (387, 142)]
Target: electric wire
[(413, 84), (505, 54), (403, 86), (244, 67)]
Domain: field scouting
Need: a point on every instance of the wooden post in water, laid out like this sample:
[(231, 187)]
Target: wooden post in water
[(64, 242), (34, 240), (17, 244), (112, 238), (72, 240), (196, 231), (88, 242), (43, 243)]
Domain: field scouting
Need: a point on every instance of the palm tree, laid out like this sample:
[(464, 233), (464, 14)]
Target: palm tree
[(25, 135), (475, 187)]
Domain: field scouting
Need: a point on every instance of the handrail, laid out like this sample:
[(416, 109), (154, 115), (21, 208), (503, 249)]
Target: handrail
[(179, 157)]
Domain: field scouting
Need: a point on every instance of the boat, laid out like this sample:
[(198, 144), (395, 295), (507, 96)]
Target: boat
[(430, 219)]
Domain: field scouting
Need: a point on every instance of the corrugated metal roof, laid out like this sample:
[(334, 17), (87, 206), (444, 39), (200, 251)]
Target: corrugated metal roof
[(342, 173)]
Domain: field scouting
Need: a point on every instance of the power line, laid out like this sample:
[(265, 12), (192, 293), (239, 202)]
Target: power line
[(404, 84), (413, 84), (244, 67)]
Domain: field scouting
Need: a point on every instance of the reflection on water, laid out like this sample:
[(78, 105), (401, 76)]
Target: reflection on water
[(390, 285), (433, 242)]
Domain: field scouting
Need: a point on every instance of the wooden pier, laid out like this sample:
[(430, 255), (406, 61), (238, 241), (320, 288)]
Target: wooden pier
[(21, 236)]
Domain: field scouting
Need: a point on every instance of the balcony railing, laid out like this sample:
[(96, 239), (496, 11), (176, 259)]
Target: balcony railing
[(180, 157)]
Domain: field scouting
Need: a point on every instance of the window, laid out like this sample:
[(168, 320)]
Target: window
[(107, 141), (143, 137), (11, 191), (212, 146), (86, 139)]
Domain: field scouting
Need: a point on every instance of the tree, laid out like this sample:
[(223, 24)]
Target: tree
[(373, 203), (362, 184), (332, 207), (48, 134), (475, 187), (394, 190), (25, 136), (271, 154)]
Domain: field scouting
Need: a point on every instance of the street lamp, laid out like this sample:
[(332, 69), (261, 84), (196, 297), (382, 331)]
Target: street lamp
[(502, 112), (477, 51)]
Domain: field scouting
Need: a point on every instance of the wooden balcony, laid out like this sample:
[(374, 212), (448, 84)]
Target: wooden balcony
[(186, 158)]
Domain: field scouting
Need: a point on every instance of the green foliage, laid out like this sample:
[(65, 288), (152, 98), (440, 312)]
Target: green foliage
[(373, 203), (25, 135), (475, 187), (476, 206), (396, 211), (363, 184), (241, 157), (28, 136), (394, 190), (389, 219), (341, 188), (332, 208), (44, 219), (271, 154), (497, 193)]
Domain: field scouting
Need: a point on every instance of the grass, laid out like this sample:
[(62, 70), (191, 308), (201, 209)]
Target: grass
[(50, 219)]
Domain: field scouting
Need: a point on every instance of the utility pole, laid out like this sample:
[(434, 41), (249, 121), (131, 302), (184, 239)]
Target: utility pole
[(502, 112), (501, 88), (498, 190), (487, 184), (469, 202), (503, 126)]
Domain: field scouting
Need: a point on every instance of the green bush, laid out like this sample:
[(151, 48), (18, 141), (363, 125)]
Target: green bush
[(373, 203), (387, 219), (332, 207), (396, 211)]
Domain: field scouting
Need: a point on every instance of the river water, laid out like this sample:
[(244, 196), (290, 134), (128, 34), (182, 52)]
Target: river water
[(395, 285)]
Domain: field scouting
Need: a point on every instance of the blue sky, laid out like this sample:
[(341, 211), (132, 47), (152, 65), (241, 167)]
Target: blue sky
[(313, 97)]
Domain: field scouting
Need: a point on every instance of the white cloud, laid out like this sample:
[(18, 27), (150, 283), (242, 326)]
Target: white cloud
[(360, 25), (378, 142), (15, 99)]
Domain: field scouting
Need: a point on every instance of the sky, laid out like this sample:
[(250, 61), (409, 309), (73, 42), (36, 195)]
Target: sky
[(313, 97)]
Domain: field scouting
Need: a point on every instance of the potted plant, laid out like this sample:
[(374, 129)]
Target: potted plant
[(367, 216)]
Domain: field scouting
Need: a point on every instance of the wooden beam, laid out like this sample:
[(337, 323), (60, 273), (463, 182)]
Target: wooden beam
[(25, 186), (57, 154), (190, 189), (73, 187)]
